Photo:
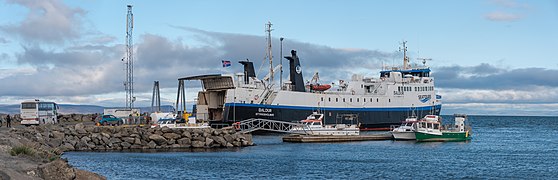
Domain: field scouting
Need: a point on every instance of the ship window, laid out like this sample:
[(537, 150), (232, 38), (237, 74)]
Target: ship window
[(357, 99), (329, 99), (350, 99), (416, 89), (322, 98), (364, 99), (377, 100), (436, 126), (336, 99), (343, 99), (389, 100)]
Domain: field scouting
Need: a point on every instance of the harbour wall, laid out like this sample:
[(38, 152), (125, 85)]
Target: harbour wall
[(99, 138)]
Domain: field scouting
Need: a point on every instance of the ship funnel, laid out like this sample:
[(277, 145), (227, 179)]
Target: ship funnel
[(295, 72), (248, 70)]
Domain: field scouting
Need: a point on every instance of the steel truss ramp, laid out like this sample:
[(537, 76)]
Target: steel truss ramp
[(250, 125)]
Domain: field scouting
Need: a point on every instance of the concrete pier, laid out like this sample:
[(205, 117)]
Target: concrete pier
[(326, 138)]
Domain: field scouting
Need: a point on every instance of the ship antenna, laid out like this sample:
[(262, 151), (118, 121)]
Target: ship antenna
[(424, 60), (268, 51), (405, 58)]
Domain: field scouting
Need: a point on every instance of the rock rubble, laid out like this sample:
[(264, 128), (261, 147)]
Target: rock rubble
[(99, 138)]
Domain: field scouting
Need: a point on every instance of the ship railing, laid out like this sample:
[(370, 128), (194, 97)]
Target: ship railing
[(392, 127), (254, 124)]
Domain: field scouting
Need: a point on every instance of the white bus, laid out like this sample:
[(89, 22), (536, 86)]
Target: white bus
[(38, 112)]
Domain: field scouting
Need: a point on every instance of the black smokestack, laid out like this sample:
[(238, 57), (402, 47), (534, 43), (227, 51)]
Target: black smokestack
[(248, 70), (295, 72)]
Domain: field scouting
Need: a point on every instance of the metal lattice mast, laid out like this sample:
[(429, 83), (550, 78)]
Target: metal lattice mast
[(269, 55), (129, 84), (156, 98)]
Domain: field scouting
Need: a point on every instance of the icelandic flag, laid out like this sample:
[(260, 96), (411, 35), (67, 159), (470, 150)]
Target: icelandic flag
[(226, 63)]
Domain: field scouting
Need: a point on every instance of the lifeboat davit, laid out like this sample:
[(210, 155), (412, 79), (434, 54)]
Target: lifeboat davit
[(318, 87)]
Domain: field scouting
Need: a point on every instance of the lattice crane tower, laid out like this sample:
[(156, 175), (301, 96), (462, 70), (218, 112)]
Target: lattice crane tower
[(129, 83)]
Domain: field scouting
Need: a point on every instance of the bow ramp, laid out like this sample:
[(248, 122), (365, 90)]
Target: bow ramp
[(254, 124)]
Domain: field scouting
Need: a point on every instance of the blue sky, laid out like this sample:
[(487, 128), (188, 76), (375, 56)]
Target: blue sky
[(489, 56)]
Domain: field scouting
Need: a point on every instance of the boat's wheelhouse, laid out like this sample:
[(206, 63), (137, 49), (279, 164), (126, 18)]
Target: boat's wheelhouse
[(412, 72)]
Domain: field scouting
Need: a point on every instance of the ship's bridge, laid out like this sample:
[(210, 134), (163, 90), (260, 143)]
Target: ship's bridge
[(414, 72)]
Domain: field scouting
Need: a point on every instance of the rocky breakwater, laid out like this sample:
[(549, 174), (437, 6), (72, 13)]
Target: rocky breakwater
[(98, 138), (34, 152)]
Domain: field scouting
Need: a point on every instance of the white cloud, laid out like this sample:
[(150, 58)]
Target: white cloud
[(510, 4), (48, 21), (534, 95), (502, 16), (510, 109)]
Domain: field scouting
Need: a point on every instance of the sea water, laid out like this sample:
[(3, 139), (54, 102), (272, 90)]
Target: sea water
[(503, 147)]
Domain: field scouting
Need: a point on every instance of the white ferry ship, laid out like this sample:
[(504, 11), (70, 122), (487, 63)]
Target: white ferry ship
[(375, 103)]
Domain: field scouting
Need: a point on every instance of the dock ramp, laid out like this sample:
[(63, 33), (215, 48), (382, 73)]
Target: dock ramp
[(254, 124)]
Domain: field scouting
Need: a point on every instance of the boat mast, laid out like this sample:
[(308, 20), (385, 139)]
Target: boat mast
[(405, 58), (269, 56)]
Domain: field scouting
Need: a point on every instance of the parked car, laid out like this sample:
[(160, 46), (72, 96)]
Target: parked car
[(109, 119), (165, 123)]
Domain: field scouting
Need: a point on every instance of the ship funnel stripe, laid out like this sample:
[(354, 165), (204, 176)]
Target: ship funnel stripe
[(424, 108)]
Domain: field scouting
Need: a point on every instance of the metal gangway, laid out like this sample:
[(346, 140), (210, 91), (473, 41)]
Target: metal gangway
[(254, 124)]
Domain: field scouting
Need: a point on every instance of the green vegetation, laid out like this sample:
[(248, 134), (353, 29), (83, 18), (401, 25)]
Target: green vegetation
[(22, 150)]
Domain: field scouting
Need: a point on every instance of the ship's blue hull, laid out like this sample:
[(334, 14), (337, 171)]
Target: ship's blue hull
[(369, 118)]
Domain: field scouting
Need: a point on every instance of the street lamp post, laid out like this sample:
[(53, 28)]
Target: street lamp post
[(281, 61)]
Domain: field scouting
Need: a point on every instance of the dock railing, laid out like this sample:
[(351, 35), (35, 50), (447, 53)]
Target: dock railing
[(254, 124)]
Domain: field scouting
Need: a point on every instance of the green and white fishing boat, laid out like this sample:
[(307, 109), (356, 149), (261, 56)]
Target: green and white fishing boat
[(428, 130)]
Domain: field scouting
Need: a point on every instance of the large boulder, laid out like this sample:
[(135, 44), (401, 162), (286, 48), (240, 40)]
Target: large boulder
[(137, 141), (79, 126), (186, 134), (152, 144), (55, 143), (57, 135), (158, 139), (115, 140), (58, 169), (209, 141), (229, 138), (129, 139), (125, 145), (166, 130), (67, 147), (219, 140), (171, 136), (198, 144), (81, 174), (184, 141)]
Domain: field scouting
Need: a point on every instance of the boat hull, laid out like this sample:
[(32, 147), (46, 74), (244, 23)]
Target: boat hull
[(368, 118), (403, 135), (329, 132), (446, 136)]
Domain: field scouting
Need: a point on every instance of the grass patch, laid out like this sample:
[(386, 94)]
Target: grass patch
[(22, 150)]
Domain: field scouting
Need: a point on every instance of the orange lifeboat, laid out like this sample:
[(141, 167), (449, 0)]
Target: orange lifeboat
[(317, 87)]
